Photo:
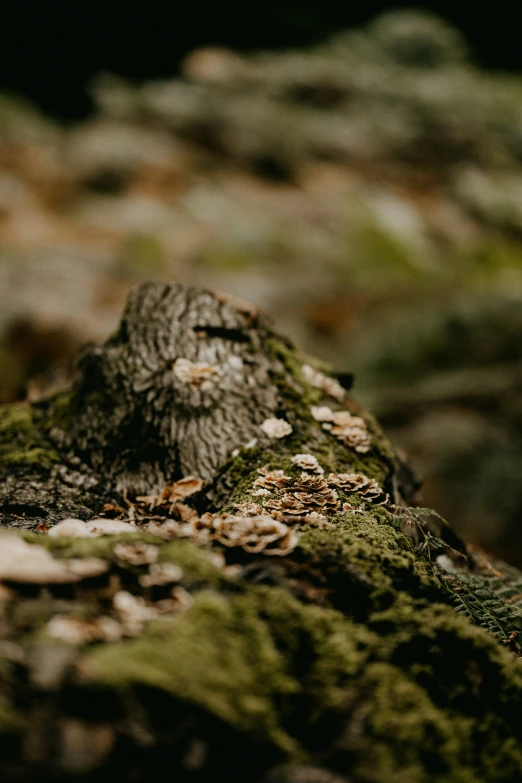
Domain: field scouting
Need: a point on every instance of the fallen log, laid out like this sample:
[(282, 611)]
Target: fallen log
[(211, 565)]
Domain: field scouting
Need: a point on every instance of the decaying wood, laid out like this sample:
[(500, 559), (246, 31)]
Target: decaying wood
[(209, 568)]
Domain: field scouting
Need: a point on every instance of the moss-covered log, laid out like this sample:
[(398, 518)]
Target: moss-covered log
[(242, 590)]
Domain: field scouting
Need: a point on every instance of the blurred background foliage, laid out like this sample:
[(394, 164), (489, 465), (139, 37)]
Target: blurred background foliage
[(364, 189)]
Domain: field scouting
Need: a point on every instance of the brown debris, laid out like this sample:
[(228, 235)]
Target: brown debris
[(6, 595), (113, 511), (172, 494), (183, 512)]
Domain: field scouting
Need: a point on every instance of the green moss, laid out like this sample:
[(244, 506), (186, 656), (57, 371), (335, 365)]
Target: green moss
[(240, 471), (219, 654), (407, 734), (80, 547), (381, 552), (431, 625), (297, 398), (323, 649), (193, 560), (299, 395), (440, 688), (401, 701), (380, 443), (246, 658), (404, 689), (22, 440)]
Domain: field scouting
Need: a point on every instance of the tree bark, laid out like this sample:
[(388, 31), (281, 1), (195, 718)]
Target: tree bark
[(259, 600)]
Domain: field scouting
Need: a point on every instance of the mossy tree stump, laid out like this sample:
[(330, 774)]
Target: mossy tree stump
[(280, 616)]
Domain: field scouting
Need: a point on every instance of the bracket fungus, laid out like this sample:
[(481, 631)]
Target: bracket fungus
[(349, 429), (255, 534), (276, 428), (366, 487), (330, 386), (307, 462), (196, 373)]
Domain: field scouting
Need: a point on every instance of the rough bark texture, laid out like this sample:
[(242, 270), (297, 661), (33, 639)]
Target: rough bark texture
[(367, 648)]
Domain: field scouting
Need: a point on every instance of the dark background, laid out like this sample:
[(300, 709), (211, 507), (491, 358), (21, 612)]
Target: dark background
[(49, 49)]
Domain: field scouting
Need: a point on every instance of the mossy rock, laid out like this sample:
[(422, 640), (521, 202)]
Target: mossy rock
[(373, 647)]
